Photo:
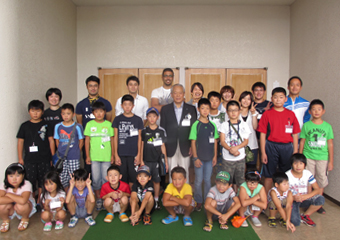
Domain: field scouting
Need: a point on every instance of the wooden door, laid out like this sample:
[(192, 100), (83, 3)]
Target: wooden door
[(243, 79), (212, 79), (113, 84), (151, 78)]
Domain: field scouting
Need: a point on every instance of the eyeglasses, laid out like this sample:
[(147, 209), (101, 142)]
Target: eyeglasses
[(168, 76), (252, 183), (233, 111)]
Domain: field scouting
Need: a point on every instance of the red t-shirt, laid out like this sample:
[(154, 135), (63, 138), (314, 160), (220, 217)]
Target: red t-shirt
[(106, 188), (279, 123)]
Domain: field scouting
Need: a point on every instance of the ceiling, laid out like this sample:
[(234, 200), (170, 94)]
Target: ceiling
[(181, 2)]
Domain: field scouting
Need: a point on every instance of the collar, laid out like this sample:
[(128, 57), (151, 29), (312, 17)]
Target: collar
[(175, 107), (117, 187)]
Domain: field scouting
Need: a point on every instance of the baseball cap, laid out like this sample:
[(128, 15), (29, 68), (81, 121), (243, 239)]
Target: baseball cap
[(144, 169), (223, 176), (152, 109)]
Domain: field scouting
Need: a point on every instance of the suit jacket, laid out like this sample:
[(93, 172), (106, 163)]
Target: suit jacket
[(176, 132)]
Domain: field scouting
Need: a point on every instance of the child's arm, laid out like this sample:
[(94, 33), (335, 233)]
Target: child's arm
[(264, 158), (117, 158), (122, 194), (278, 205), (145, 201), (330, 154), (210, 208), (262, 202), (21, 199), (70, 190), (295, 143), (47, 204), (52, 145), (302, 144), (243, 198), (108, 116), (316, 190), (289, 205), (20, 150), (237, 204), (197, 162), (222, 141), (167, 202), (142, 154), (186, 201), (165, 157), (4, 199), (254, 115), (112, 149), (87, 149), (133, 202), (89, 188), (139, 146), (81, 143), (214, 161), (57, 143)]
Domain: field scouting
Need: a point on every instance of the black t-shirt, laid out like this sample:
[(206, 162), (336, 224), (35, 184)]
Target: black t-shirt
[(36, 134), (260, 108), (52, 117), (127, 134), (153, 140), (137, 187)]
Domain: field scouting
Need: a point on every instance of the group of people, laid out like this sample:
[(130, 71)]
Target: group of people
[(126, 159)]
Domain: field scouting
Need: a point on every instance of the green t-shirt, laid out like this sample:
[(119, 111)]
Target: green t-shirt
[(100, 140), (316, 136)]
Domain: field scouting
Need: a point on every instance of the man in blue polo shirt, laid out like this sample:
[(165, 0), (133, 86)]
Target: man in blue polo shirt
[(84, 107)]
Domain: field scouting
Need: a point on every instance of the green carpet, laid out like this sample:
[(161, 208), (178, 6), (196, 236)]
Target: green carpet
[(158, 231)]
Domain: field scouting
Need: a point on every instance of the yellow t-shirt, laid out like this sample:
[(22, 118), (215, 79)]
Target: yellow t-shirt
[(172, 190)]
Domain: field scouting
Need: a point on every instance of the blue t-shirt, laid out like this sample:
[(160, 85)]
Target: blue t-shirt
[(84, 108), (63, 134), (80, 199), (127, 134)]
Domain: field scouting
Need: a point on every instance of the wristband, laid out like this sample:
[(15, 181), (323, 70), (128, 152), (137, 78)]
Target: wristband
[(255, 114), (194, 159)]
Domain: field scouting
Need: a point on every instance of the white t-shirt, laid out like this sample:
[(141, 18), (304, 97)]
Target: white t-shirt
[(56, 198), (140, 108), (27, 187), (300, 185), (232, 139), (252, 143), (163, 95)]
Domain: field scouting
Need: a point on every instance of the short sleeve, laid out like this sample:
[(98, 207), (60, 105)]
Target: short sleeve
[(193, 131), (56, 133), (119, 110), (154, 94), (87, 129), (303, 131), (78, 109), (134, 187), (330, 134), (111, 130), (263, 123), (216, 135), (80, 131), (140, 123), (311, 179), (108, 106), (187, 190), (21, 132), (115, 122), (223, 127)]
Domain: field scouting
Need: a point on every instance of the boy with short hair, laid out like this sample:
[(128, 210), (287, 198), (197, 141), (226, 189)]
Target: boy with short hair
[(128, 140), (221, 202), (141, 197), (177, 198), (233, 148), (35, 138), (115, 194), (282, 141), (296, 103), (62, 134), (280, 198), (99, 148), (316, 144), (52, 115), (204, 137), (216, 115), (261, 104), (153, 138), (299, 179), (80, 198)]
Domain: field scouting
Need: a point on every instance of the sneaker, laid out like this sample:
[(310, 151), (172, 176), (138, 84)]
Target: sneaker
[(123, 217), (187, 221), (99, 204), (170, 219), (248, 212), (157, 205), (59, 225), (48, 227), (271, 222), (89, 220), (283, 222), (147, 219), (306, 220), (244, 224), (256, 221), (198, 207), (73, 222), (38, 207)]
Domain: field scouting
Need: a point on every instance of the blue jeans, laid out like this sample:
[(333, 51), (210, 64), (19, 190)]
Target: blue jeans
[(99, 170), (316, 200), (202, 173)]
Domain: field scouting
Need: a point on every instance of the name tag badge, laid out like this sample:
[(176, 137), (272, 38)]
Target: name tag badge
[(211, 139), (55, 204), (322, 143), (92, 116), (33, 148), (122, 141), (186, 123), (157, 142), (289, 128), (133, 132), (106, 139)]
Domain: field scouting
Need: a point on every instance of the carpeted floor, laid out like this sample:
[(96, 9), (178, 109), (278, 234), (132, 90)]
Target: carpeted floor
[(159, 231)]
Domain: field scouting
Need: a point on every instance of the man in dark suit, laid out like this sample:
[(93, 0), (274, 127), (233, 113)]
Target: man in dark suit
[(177, 119)]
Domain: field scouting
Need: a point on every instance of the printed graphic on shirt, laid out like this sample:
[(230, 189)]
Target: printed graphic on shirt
[(317, 138), (42, 132)]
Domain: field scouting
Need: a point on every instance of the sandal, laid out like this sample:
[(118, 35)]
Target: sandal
[(23, 225), (224, 226), (4, 227), (207, 226), (187, 221), (108, 218), (321, 210)]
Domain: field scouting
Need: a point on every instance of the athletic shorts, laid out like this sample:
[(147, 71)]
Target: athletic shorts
[(154, 169)]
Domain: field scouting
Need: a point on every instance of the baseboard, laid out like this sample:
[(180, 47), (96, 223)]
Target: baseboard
[(332, 199)]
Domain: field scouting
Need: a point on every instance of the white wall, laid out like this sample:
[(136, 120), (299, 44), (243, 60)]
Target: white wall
[(38, 51), (183, 36), (315, 51)]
